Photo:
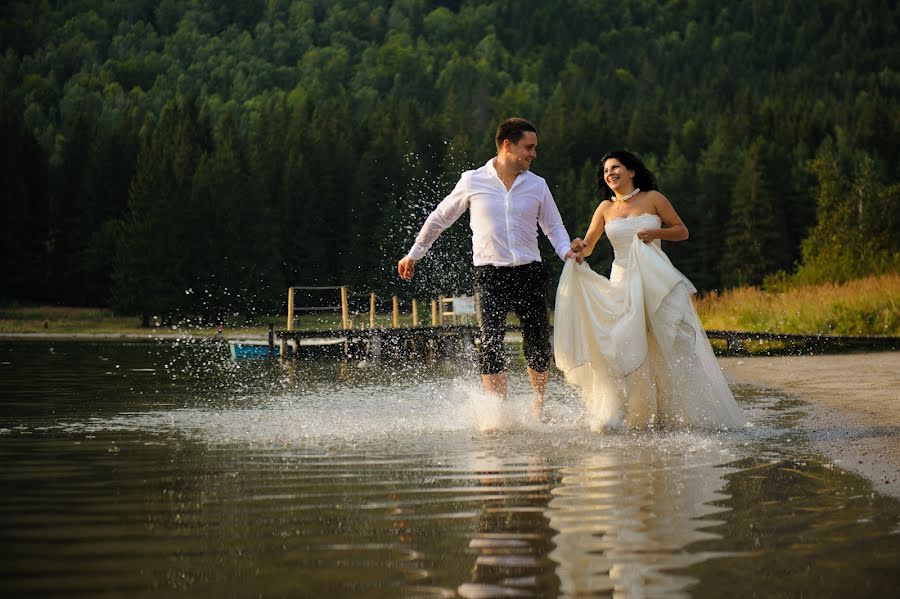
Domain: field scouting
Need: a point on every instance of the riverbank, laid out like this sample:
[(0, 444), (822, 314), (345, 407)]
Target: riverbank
[(863, 307), (61, 322), (853, 406), (155, 336)]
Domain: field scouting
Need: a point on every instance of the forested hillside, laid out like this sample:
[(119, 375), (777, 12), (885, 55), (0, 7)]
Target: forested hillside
[(197, 156)]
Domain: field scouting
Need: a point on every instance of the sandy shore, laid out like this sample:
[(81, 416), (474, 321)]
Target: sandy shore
[(853, 414)]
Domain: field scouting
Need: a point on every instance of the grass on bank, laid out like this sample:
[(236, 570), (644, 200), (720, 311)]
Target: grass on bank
[(869, 306), (60, 319), (863, 307), (70, 320)]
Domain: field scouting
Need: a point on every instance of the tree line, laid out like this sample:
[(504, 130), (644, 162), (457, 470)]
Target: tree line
[(195, 157)]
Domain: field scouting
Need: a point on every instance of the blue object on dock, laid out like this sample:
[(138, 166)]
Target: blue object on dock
[(251, 348)]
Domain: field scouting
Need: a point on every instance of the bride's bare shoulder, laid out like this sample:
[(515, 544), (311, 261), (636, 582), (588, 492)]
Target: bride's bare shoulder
[(603, 207), (656, 197)]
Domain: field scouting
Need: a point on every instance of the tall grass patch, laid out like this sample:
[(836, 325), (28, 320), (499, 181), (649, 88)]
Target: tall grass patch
[(60, 319), (866, 306)]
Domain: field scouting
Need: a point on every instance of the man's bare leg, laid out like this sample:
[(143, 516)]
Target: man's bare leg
[(539, 388), (495, 384)]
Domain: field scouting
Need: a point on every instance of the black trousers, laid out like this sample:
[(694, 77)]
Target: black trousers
[(522, 289)]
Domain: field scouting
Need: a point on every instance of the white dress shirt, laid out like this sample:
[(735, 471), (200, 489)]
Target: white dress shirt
[(504, 223)]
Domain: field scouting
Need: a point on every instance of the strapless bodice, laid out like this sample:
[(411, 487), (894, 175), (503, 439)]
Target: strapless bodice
[(621, 235)]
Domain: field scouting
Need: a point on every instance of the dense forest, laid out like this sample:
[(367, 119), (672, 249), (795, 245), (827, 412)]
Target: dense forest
[(194, 157)]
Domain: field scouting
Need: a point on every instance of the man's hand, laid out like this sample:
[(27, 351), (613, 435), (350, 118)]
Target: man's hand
[(406, 268), (577, 246)]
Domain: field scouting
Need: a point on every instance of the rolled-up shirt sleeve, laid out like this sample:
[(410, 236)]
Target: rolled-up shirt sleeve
[(446, 213), (551, 224)]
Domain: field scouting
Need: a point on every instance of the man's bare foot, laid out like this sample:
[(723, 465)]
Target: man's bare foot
[(539, 387), (495, 384), (537, 410)]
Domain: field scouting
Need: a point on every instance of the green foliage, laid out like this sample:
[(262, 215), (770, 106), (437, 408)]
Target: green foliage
[(855, 233), (25, 221), (229, 148), (753, 244), (867, 306), (155, 241)]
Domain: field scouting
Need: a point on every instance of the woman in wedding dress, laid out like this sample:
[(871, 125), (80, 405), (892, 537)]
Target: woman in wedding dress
[(633, 343)]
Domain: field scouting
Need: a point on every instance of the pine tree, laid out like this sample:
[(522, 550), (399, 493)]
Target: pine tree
[(678, 182), (157, 239), (715, 179), (752, 245), (24, 205), (856, 222), (72, 215)]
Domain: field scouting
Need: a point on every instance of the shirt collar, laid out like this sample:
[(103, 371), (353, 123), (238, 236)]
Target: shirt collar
[(493, 171)]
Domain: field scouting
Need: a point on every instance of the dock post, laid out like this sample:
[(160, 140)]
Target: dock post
[(345, 320), (345, 310), (290, 321), (435, 321), (478, 310), (395, 318), (412, 342), (372, 310), (290, 316)]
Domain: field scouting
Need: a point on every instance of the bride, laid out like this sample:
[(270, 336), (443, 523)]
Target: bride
[(633, 343)]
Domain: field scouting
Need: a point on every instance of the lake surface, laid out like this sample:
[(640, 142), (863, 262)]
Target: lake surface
[(157, 470)]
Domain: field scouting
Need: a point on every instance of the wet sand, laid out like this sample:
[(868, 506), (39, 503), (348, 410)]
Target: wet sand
[(853, 415)]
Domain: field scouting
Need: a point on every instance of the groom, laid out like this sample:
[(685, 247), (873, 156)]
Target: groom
[(506, 202)]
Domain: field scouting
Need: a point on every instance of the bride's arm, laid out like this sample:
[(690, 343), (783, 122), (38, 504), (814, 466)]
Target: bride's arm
[(594, 232), (675, 229)]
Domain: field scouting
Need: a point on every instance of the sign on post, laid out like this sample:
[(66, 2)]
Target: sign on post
[(464, 305)]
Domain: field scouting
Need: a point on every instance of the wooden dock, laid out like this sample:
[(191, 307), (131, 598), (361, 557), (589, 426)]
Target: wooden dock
[(447, 336), (447, 332), (437, 341), (432, 341)]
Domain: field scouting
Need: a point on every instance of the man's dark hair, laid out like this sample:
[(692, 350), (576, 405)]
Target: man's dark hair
[(512, 129)]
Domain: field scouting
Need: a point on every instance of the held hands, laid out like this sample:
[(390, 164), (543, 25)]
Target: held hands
[(575, 252), (406, 268)]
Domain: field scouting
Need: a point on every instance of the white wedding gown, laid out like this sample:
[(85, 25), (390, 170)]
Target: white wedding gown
[(633, 343)]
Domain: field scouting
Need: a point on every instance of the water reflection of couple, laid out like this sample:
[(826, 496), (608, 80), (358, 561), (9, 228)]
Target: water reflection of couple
[(617, 520), (632, 343)]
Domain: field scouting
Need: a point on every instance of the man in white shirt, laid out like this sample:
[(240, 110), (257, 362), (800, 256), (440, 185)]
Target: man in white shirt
[(506, 202)]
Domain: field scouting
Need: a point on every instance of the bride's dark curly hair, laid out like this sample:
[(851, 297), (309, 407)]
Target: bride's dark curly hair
[(643, 178)]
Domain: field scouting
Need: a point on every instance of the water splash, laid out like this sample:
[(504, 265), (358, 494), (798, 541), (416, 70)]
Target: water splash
[(400, 412)]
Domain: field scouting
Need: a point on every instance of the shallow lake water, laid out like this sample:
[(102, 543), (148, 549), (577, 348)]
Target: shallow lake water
[(155, 470)]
